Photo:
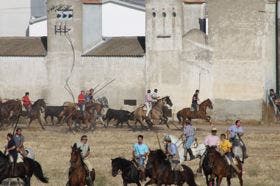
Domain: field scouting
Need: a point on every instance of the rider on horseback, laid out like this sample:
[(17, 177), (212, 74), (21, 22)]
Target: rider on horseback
[(189, 133), (225, 148), (19, 140), (236, 131), (211, 140), (140, 153), (82, 101), (155, 94), (85, 152), (10, 149), (148, 102), (195, 100), (26, 102), (172, 153)]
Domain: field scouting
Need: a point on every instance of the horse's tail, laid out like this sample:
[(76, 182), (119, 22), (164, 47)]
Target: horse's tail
[(37, 170), (179, 116), (189, 175)]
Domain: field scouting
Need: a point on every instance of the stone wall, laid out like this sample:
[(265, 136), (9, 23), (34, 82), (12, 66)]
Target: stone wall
[(243, 58)]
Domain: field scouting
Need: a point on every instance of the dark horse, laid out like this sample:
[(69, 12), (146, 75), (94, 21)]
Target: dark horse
[(157, 112), (130, 173), (161, 172), (10, 110), (78, 171), (74, 116), (186, 113), (37, 108), (23, 170), (220, 167)]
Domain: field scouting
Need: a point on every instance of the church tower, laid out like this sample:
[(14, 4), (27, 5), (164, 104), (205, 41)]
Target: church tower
[(164, 30), (64, 47)]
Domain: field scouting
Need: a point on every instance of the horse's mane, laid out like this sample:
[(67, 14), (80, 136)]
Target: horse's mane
[(124, 162), (159, 155), (205, 101)]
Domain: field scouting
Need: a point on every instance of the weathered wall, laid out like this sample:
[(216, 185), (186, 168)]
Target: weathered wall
[(243, 67), (192, 13), (92, 25), (22, 74)]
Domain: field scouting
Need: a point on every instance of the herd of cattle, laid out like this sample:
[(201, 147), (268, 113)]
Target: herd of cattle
[(12, 110)]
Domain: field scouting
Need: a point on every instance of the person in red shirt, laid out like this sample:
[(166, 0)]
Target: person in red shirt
[(26, 102), (82, 100)]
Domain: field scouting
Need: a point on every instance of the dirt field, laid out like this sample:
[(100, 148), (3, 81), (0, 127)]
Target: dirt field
[(52, 148)]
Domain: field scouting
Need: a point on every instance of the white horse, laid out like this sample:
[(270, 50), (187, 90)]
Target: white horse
[(197, 149)]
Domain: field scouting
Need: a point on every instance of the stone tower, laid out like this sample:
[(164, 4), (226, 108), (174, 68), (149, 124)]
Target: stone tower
[(164, 30), (64, 47)]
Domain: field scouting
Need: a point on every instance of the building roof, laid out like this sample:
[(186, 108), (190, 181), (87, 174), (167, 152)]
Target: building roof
[(119, 47), (194, 1), (23, 46), (91, 1)]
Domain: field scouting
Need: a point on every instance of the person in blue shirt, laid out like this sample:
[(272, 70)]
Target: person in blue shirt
[(235, 132), (140, 151), (171, 151)]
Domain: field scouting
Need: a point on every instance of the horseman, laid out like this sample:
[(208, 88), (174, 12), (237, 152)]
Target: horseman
[(19, 140), (172, 153), (225, 148), (85, 153), (82, 101), (189, 133), (148, 102), (90, 95), (140, 153), (155, 94), (195, 100), (11, 150), (235, 132), (211, 140), (26, 102)]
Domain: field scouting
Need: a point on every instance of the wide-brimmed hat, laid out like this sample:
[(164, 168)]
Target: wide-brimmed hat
[(214, 129)]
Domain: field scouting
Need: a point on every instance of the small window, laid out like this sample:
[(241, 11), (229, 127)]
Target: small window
[(163, 14), (131, 102), (154, 14), (174, 14)]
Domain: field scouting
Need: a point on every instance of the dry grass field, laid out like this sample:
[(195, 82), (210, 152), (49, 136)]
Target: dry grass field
[(52, 148)]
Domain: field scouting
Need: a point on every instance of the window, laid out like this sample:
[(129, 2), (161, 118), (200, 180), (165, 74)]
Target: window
[(131, 102)]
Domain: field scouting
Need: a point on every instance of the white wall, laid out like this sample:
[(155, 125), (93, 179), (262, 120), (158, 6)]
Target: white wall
[(38, 29), (119, 20), (14, 17)]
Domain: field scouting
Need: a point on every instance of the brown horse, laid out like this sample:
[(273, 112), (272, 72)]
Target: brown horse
[(73, 115), (11, 109), (156, 112), (37, 109), (159, 170), (78, 171), (186, 113), (220, 167)]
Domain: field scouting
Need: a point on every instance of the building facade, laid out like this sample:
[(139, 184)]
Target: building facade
[(187, 45)]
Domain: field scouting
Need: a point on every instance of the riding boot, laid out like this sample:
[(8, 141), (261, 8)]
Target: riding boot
[(185, 154), (191, 154)]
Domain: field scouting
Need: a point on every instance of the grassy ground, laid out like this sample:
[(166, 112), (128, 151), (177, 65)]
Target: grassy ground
[(52, 148)]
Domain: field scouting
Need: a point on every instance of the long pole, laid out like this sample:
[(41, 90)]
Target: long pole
[(158, 141), (105, 86)]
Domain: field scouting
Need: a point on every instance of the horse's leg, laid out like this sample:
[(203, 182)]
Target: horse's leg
[(240, 179), (220, 178), (150, 182), (26, 181), (30, 121), (138, 183), (40, 121), (228, 180), (52, 120)]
